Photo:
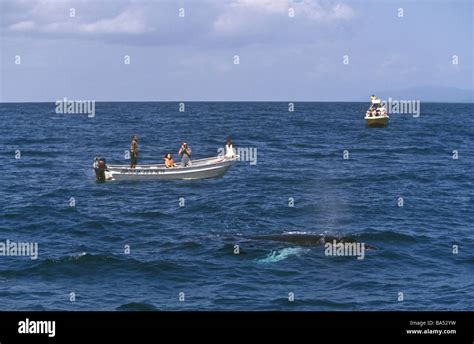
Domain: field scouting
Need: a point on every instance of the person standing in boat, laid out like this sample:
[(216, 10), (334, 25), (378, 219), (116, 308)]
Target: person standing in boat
[(134, 151), (185, 154), (375, 102), (229, 149)]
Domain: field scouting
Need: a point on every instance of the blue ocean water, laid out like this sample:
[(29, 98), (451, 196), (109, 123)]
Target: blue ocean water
[(190, 249)]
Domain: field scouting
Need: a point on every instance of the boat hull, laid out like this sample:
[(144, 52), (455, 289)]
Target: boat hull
[(376, 122), (200, 169)]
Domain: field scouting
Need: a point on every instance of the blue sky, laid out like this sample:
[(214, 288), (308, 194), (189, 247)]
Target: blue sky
[(192, 58)]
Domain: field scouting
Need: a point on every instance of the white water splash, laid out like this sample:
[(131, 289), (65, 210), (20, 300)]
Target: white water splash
[(276, 256), (78, 255)]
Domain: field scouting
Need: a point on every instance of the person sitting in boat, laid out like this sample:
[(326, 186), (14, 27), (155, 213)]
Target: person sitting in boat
[(381, 110), (229, 149), (168, 158), (185, 154), (134, 151)]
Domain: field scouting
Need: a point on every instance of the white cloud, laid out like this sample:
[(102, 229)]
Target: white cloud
[(329, 13), (246, 15), (207, 23), (129, 21), (26, 25), (265, 6)]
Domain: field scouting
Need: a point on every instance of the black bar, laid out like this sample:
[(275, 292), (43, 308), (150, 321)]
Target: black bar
[(376, 325)]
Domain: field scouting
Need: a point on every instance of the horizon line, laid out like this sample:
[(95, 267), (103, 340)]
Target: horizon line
[(218, 101)]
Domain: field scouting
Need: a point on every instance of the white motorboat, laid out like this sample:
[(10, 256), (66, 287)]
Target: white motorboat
[(199, 169)]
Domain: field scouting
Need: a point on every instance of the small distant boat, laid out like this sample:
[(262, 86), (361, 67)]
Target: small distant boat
[(200, 169)]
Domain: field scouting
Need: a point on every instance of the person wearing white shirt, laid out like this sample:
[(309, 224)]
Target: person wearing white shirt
[(229, 149)]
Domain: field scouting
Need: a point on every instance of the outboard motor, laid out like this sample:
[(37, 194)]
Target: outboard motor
[(100, 167)]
